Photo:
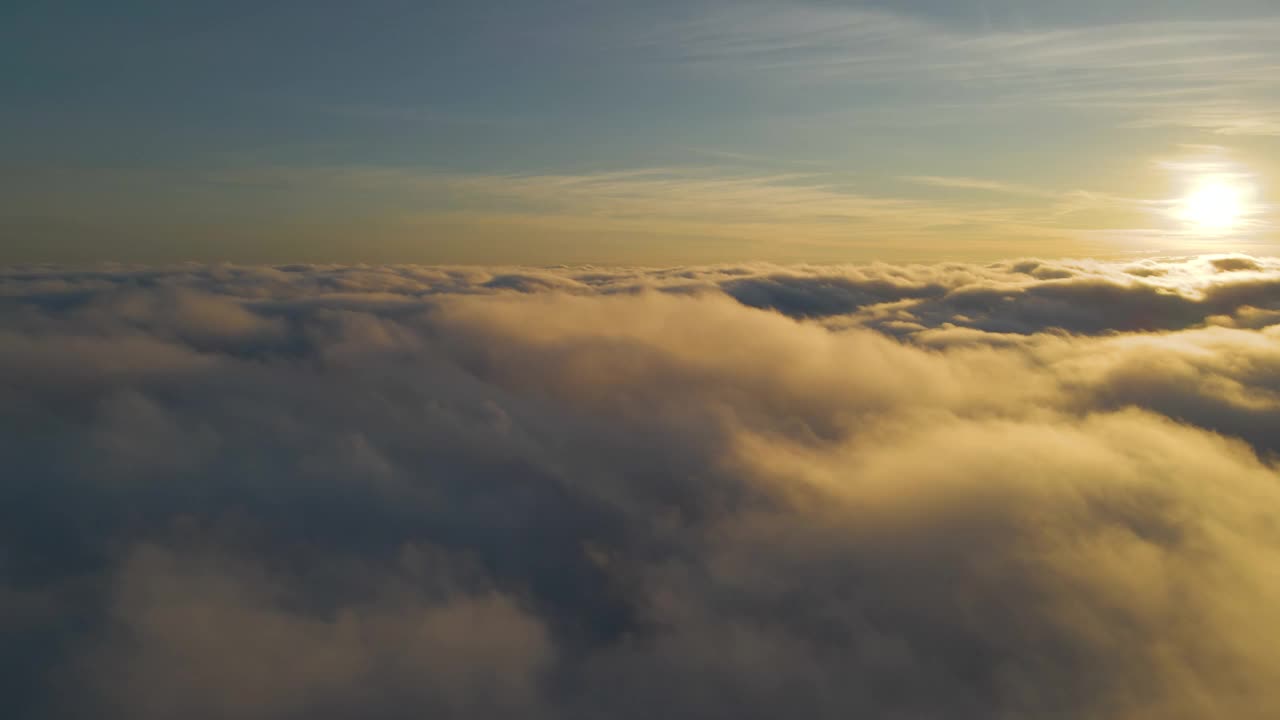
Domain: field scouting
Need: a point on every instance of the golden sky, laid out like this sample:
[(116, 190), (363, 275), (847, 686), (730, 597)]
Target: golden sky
[(553, 132)]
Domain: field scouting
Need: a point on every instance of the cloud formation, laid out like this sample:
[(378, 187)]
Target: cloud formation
[(1024, 489), (1212, 75)]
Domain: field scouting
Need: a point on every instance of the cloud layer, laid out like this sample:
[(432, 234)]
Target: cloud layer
[(1026, 489)]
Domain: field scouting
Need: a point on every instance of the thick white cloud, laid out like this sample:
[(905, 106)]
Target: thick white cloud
[(1029, 489)]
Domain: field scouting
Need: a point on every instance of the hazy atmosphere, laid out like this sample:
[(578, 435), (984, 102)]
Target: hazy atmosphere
[(553, 131), (564, 359)]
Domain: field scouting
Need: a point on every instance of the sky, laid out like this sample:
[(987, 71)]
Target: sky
[(564, 131)]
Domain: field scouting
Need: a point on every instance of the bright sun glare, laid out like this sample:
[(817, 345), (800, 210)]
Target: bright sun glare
[(1215, 206)]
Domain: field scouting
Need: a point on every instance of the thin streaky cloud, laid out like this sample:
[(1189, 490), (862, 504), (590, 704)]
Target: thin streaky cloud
[(1123, 66)]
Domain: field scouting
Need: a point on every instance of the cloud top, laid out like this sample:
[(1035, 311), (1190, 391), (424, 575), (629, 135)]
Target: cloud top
[(1025, 489)]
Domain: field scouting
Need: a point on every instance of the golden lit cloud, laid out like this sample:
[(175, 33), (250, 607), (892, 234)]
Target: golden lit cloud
[(261, 493)]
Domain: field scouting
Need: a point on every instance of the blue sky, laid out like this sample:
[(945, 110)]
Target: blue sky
[(551, 131)]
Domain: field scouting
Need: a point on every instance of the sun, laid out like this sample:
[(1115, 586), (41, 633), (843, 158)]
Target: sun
[(1215, 206)]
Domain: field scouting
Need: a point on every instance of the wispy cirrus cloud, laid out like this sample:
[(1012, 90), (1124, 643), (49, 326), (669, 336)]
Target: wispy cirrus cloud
[(1226, 121), (970, 183), (821, 209), (1216, 75)]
